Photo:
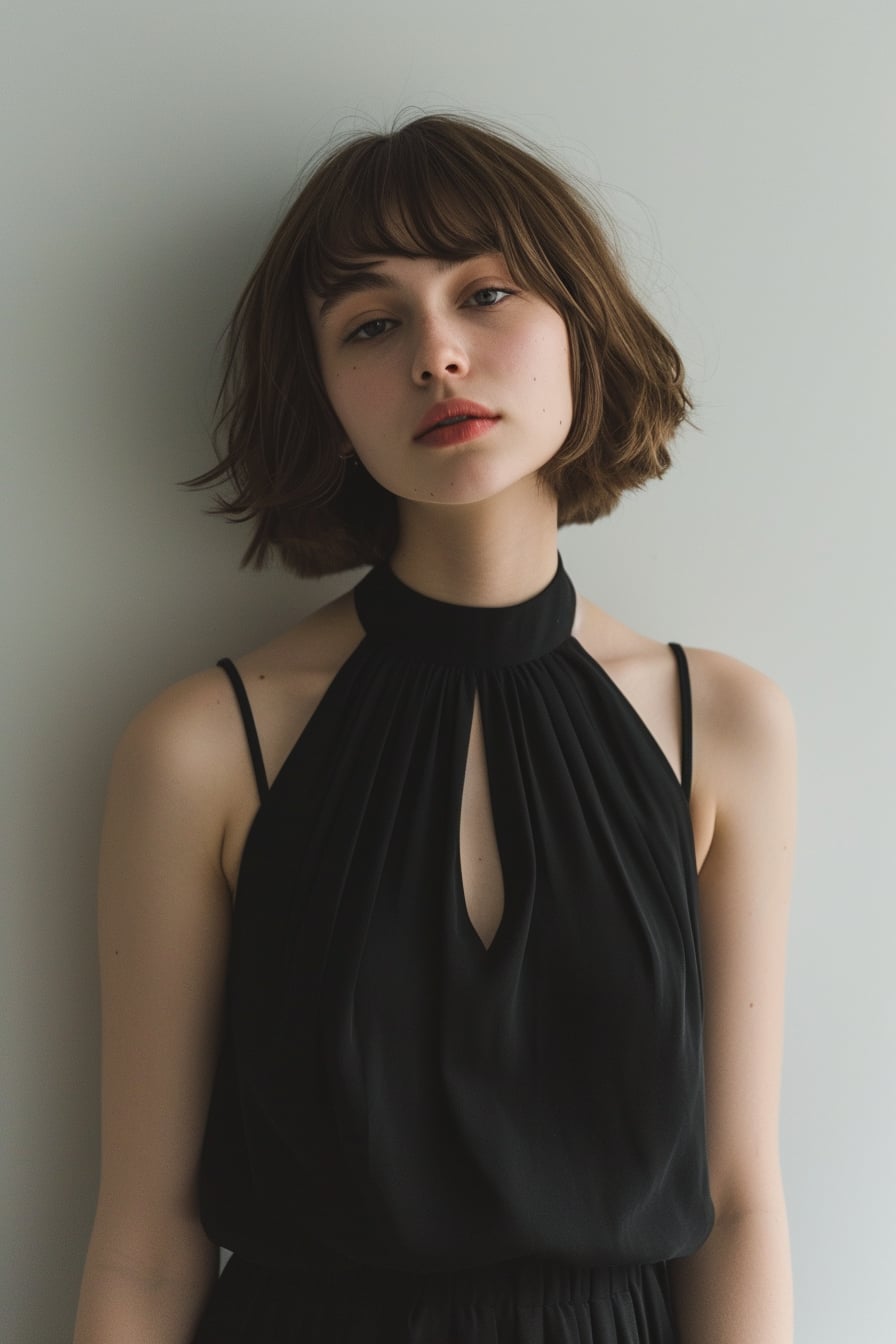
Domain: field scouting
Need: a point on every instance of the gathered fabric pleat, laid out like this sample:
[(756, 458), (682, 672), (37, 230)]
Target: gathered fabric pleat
[(529, 1301), (417, 1138)]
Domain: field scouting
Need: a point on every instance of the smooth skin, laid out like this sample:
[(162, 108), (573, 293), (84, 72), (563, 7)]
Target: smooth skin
[(475, 529)]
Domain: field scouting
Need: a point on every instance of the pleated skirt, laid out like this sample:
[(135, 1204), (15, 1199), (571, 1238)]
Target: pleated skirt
[(529, 1301)]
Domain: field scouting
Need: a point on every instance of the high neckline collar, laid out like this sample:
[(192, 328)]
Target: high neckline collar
[(431, 630)]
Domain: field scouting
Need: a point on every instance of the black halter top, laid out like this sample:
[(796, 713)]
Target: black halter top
[(394, 1093)]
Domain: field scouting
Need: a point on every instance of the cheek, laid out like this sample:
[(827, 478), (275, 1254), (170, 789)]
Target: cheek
[(367, 399), (547, 338), (345, 388), (542, 354)]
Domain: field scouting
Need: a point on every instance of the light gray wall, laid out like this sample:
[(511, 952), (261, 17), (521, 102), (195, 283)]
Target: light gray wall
[(147, 152)]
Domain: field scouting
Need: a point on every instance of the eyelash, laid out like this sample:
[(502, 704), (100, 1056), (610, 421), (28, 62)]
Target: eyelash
[(486, 289)]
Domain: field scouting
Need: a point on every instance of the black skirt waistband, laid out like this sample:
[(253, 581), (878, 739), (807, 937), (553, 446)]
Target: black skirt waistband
[(527, 1282)]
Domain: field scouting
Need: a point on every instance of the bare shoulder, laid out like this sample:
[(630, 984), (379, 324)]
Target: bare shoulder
[(286, 677), (735, 705), (744, 727), (738, 703), (187, 747), (186, 732), (192, 728), (742, 722)]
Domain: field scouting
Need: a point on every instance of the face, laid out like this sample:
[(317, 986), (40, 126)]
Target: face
[(442, 330)]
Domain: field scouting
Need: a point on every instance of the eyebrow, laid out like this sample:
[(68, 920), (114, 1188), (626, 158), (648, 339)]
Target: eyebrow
[(361, 280)]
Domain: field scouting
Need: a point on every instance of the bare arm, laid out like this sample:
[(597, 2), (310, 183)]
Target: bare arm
[(736, 1289), (163, 919)]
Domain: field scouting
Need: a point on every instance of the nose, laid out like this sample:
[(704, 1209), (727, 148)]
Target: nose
[(439, 350)]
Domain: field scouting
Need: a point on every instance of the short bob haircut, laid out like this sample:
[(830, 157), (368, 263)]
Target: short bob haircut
[(442, 186)]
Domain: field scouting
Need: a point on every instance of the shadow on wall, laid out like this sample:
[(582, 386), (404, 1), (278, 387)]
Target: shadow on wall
[(129, 588)]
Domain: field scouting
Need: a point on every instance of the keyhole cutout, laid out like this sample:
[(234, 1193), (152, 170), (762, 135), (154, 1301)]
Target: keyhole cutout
[(480, 863)]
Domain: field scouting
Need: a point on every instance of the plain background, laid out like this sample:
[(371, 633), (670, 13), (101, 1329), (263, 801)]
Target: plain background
[(149, 151)]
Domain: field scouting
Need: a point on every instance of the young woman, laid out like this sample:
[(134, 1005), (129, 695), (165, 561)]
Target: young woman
[(443, 937)]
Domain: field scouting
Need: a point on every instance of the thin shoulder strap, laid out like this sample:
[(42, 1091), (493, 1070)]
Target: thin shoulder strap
[(684, 685), (249, 725)]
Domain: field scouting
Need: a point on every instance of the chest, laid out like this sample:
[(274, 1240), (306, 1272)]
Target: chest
[(480, 862), (649, 684)]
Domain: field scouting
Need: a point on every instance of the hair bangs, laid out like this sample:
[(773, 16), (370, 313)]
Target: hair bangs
[(403, 198)]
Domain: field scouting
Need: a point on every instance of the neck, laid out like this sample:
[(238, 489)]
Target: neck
[(477, 556)]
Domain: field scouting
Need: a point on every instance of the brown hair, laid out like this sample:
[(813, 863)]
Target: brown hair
[(449, 187)]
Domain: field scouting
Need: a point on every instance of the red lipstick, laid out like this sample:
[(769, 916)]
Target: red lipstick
[(458, 433), (447, 410)]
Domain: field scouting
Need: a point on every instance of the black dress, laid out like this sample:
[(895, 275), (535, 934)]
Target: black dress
[(417, 1139)]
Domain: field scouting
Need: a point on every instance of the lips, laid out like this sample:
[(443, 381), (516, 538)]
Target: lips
[(447, 410)]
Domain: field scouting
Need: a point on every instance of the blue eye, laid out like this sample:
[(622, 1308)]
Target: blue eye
[(377, 321)]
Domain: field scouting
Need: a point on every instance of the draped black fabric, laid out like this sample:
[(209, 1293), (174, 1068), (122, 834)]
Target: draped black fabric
[(399, 1109)]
